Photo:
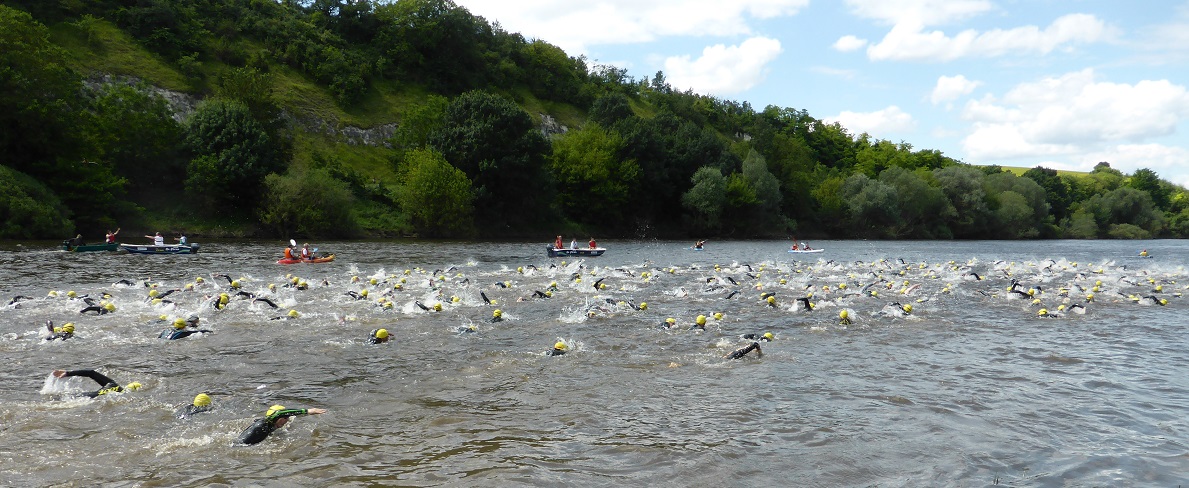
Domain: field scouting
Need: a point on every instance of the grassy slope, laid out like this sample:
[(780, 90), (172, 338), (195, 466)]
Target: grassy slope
[(1019, 171)]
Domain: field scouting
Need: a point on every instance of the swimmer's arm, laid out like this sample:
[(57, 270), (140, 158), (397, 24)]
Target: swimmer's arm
[(90, 373)]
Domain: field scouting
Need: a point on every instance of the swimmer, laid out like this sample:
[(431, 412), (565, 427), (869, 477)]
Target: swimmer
[(66, 331), (767, 337), (497, 316), (99, 310), (265, 301), (15, 300), (558, 349), (378, 336), (181, 330), (276, 417), (739, 353), (106, 384), (201, 403)]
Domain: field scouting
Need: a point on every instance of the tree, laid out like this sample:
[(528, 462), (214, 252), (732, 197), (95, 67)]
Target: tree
[(963, 186), (767, 217), (594, 184), (924, 209), (436, 195), (1147, 180), (1057, 191), (233, 154), (496, 144), (872, 206), (706, 198), (308, 202), (29, 210), (134, 130), (610, 108)]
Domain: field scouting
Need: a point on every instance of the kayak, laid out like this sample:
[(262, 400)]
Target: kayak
[(581, 251), (162, 249), (324, 259), (67, 246), (803, 251)]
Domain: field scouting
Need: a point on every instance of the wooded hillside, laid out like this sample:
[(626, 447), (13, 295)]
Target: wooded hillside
[(355, 118)]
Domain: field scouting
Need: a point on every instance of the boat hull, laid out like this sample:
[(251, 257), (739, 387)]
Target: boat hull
[(802, 251), (66, 246), (164, 249), (563, 252), (325, 259)]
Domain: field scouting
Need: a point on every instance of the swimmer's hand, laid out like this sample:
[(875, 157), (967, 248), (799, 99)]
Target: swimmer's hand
[(313, 411), (58, 373)]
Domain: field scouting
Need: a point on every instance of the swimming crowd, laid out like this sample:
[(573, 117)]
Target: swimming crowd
[(859, 294)]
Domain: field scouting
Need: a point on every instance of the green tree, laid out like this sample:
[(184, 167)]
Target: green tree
[(134, 130), (872, 206), (594, 184), (29, 210), (963, 186), (436, 195), (418, 124), (1147, 180), (610, 108), (233, 154), (707, 198), (1057, 190), (767, 219), (498, 146), (924, 209), (1081, 225), (308, 202)]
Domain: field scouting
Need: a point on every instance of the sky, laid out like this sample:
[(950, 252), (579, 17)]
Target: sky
[(1064, 84)]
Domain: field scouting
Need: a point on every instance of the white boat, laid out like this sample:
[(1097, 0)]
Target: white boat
[(805, 251), (160, 249)]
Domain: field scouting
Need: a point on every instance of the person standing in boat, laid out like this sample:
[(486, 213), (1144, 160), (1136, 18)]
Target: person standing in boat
[(111, 236), (592, 243), (557, 243), (157, 239), (573, 243)]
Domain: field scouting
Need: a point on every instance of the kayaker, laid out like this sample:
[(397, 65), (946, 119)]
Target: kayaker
[(289, 252), (276, 417), (699, 244), (106, 384), (305, 252), (111, 236), (77, 241)]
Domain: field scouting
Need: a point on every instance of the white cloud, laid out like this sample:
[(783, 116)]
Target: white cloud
[(574, 26), (949, 88), (1075, 116), (877, 123), (919, 12), (910, 41), (723, 69), (849, 43)]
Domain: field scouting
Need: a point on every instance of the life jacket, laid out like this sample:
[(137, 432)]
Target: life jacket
[(305, 253), (288, 253)]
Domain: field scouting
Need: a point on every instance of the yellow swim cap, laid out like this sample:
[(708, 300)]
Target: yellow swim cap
[(372, 281), (273, 409), (71, 294), (455, 299), (843, 314), (180, 323), (293, 313), (671, 320), (363, 292), (109, 307), (907, 308), (235, 284), (643, 305), (771, 299), (437, 307), (497, 313), (68, 327), (701, 320), (1042, 312), (133, 386), (769, 336), (717, 315), (199, 280), (153, 292), (202, 400), (382, 334), (561, 346)]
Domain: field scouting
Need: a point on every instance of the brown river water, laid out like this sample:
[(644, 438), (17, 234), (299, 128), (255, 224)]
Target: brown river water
[(972, 388)]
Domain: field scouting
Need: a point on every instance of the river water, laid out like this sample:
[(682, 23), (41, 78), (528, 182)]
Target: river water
[(972, 388)]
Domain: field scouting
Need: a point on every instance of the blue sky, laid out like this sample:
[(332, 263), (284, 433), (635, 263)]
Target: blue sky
[(1064, 84)]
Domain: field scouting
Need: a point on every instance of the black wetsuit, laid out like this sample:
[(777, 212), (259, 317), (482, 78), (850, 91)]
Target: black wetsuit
[(60, 335), (108, 386), (185, 411), (555, 352), (173, 334), (739, 353), (262, 427)]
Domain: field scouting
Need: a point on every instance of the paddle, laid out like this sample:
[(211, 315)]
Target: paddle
[(292, 243)]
